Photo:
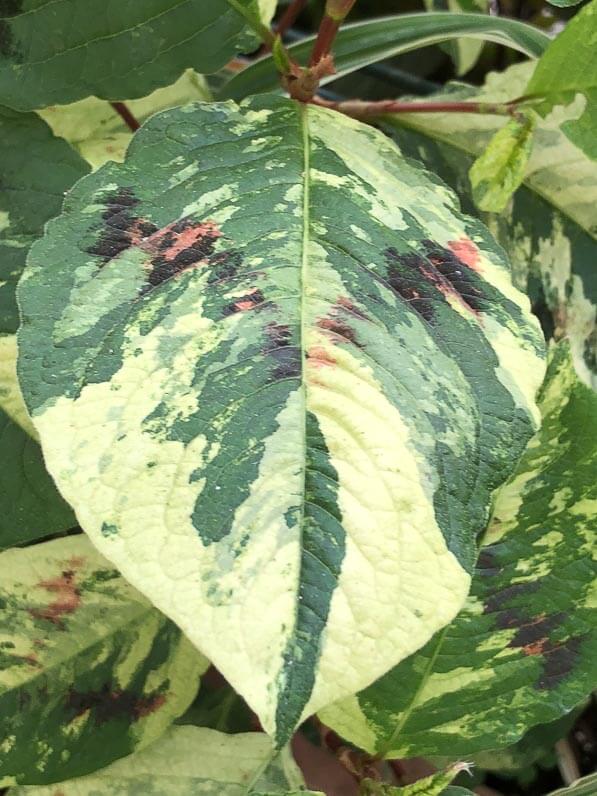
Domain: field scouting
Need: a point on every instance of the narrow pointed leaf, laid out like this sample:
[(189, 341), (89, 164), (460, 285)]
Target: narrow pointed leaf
[(463, 52), (230, 408), (35, 170), (523, 651), (548, 229), (62, 50), (364, 43), (89, 670), (188, 760), (567, 75)]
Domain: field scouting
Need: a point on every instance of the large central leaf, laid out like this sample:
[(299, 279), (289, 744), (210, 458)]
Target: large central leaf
[(279, 375)]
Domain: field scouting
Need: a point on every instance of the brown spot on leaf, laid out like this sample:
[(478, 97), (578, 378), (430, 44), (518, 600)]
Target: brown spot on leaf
[(179, 246), (107, 704), (252, 298), (122, 228), (278, 336), (436, 267), (68, 598), (346, 304), (319, 357), (336, 330)]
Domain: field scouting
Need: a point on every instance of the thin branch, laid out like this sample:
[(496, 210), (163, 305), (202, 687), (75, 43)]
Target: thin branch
[(360, 109), (290, 16), (126, 115), (264, 33), (335, 13)]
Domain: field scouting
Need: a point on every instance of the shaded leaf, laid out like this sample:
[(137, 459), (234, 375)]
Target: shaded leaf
[(566, 74), (536, 746), (35, 170), (58, 51), (364, 43), (220, 708), (252, 369), (89, 670), (499, 171), (463, 52), (523, 651), (587, 786), (97, 131), (433, 785), (189, 760), (549, 229)]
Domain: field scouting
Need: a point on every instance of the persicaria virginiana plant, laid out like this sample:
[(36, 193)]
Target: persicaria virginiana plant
[(297, 403)]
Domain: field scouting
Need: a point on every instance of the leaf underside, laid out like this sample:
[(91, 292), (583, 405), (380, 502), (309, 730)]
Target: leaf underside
[(223, 375)]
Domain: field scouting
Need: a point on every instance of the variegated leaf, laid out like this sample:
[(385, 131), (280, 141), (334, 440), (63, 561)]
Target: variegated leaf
[(62, 50), (549, 229), (35, 171), (97, 131), (464, 52), (89, 670), (191, 760), (433, 785), (566, 75), (523, 651), (223, 370)]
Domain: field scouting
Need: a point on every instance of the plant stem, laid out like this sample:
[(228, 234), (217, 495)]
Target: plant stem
[(360, 109), (126, 115), (264, 33), (335, 13), (290, 16)]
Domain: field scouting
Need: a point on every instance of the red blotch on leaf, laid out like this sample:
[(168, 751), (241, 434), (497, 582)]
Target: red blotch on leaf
[(68, 595), (467, 252), (319, 357)]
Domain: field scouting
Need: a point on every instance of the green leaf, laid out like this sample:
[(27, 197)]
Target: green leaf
[(587, 786), (464, 52), (58, 51), (89, 670), (535, 746), (456, 791), (35, 170), (219, 708), (499, 171), (187, 760), (564, 3), (523, 651), (364, 43), (240, 316), (567, 75), (549, 229), (97, 131), (433, 785)]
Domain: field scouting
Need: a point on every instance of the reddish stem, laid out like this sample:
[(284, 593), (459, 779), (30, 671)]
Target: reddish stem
[(126, 115), (336, 12), (290, 16), (360, 109)]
